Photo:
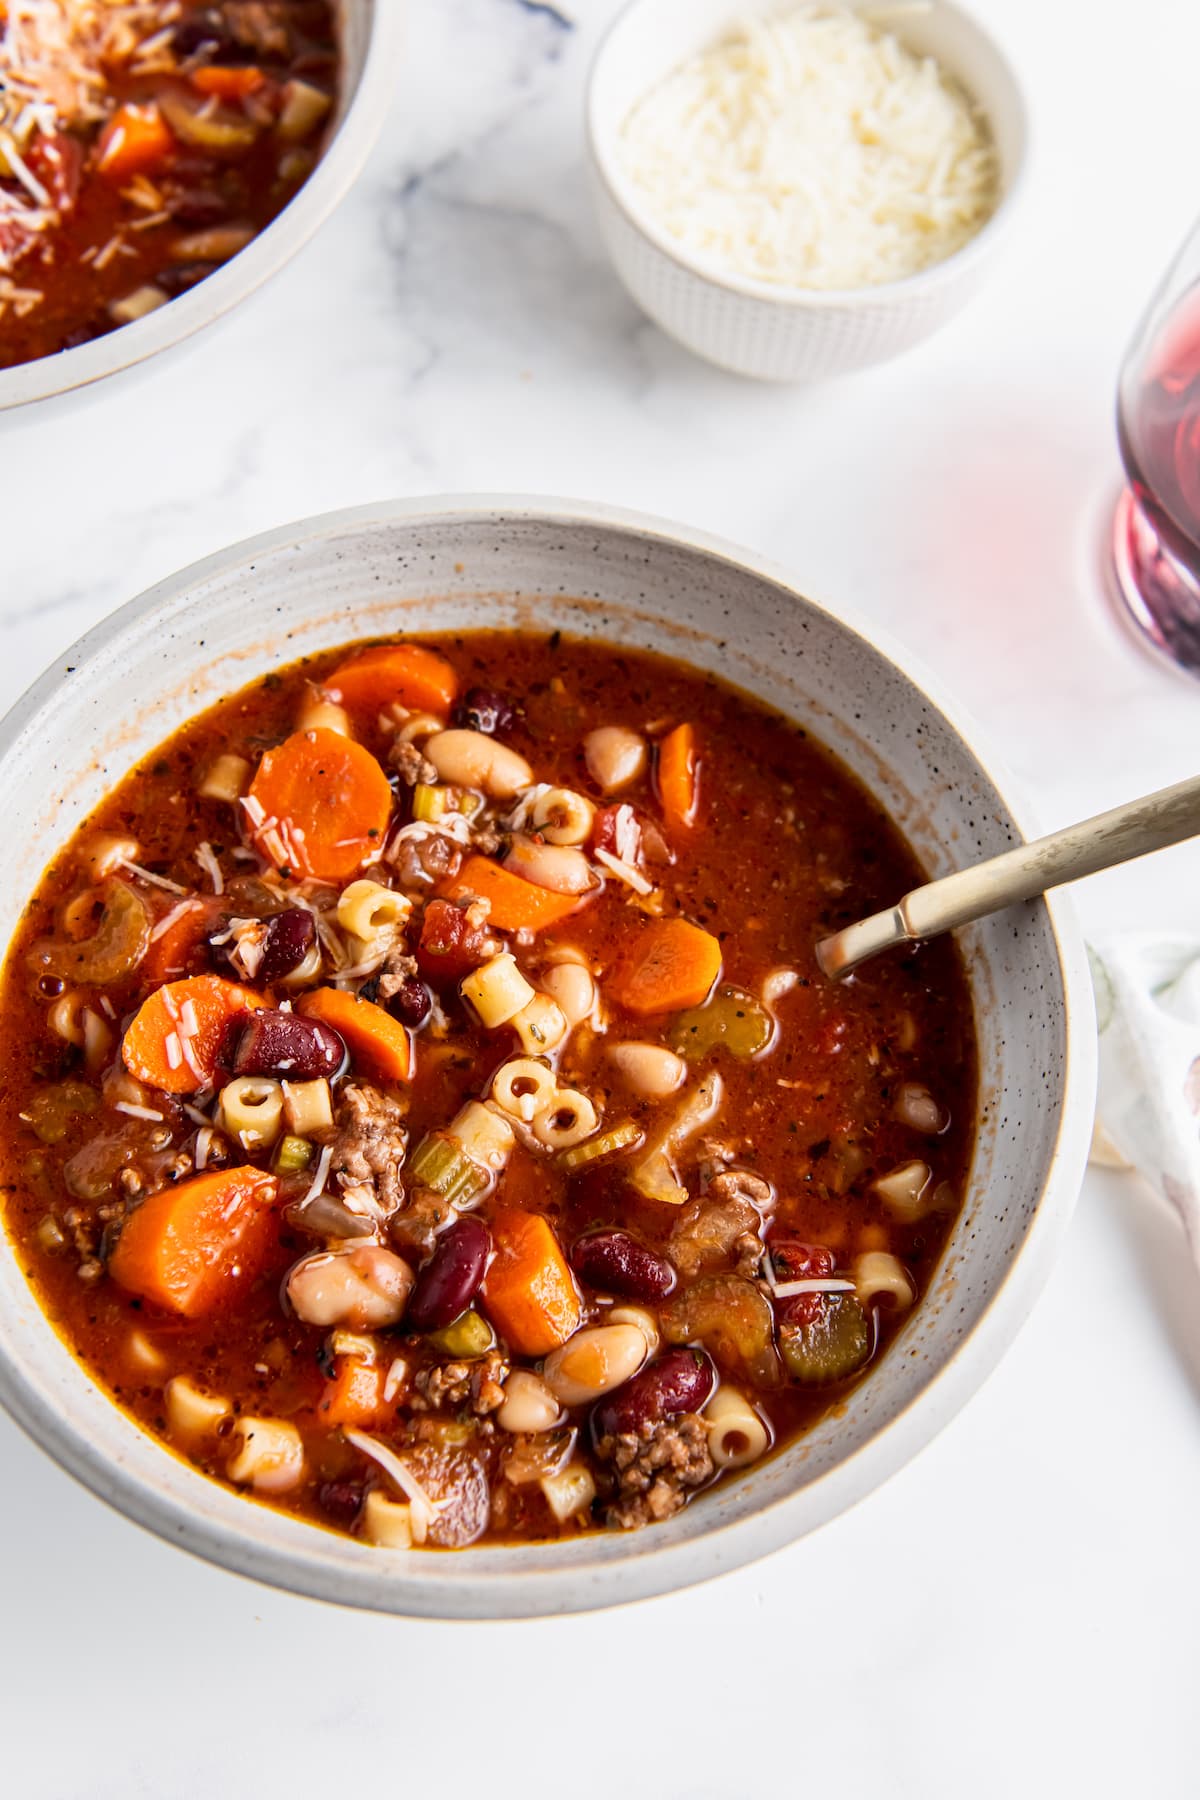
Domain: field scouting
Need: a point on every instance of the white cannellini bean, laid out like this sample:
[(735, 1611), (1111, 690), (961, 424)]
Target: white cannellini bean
[(366, 1287), (615, 757), (877, 1273), (595, 1360), (649, 1069), (528, 1404), (571, 984), (559, 867), (474, 760), (914, 1105), (104, 852), (563, 816), (270, 1456)]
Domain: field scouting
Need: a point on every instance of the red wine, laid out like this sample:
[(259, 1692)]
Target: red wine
[(1157, 544)]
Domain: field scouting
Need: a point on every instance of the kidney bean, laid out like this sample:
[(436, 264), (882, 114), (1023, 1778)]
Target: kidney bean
[(411, 1003), (287, 1047), (341, 1500), (182, 276), (616, 1263), (290, 937), (681, 1381), (482, 710), (451, 1278), (198, 208)]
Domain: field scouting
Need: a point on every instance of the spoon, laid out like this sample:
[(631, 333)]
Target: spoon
[(1136, 828)]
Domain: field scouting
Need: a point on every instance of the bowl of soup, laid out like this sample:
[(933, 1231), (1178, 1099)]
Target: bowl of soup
[(159, 161), (437, 1176)]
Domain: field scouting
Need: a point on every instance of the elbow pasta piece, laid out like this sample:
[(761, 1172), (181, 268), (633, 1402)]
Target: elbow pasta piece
[(387, 1523), (65, 1017), (307, 1107), (563, 816), (497, 990), (522, 1088), (736, 1434), (567, 1120), (226, 779), (270, 1456), (191, 1413), (366, 908), (251, 1109), (541, 1025), (483, 1134), (320, 713), (877, 1274)]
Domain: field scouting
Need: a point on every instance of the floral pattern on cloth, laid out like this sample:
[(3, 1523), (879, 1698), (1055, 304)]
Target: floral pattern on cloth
[(1148, 1106)]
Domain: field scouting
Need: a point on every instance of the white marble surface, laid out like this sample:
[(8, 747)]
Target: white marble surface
[(1019, 1611)]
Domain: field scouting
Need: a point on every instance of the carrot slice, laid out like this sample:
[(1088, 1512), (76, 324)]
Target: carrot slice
[(529, 1292), (679, 776), (319, 805), (177, 1035), (672, 964), (136, 138), (517, 904), (169, 952), (228, 83), (372, 1036), (196, 1247), (405, 673), (354, 1395)]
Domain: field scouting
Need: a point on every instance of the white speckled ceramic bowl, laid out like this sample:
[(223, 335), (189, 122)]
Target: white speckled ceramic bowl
[(449, 564), (760, 328), (370, 37)]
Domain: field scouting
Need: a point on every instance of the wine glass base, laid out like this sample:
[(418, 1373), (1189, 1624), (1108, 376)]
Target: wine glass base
[(1157, 595)]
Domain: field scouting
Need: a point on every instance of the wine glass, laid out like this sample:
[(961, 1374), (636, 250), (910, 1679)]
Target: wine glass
[(1156, 528)]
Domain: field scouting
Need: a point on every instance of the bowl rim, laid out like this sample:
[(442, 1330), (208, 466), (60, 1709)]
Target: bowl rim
[(74, 371), (619, 191), (449, 1587)]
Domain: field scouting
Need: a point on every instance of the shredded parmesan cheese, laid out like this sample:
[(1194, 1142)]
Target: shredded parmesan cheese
[(813, 150), (815, 1284), (424, 1509), (136, 1112), (625, 872)]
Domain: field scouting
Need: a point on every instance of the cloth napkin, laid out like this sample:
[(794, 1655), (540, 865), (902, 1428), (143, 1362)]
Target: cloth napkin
[(1148, 1111)]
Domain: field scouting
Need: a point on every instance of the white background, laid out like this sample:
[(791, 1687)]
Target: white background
[(1019, 1611)]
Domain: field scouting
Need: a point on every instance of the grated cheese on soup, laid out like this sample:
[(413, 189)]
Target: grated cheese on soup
[(812, 149)]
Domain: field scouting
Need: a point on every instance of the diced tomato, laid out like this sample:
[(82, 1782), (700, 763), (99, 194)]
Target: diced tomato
[(450, 945), (794, 1260), (57, 162)]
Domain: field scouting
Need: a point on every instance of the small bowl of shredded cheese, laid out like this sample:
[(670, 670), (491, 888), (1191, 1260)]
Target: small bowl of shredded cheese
[(795, 190)]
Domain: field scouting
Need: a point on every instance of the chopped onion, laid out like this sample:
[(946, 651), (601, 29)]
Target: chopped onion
[(903, 1188), (914, 1105)]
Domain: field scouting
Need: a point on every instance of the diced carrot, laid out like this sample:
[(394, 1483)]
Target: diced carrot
[(679, 776), (517, 904), (672, 964), (196, 1247), (136, 138), (169, 953), (404, 674), (228, 82), (325, 805), (354, 1395), (529, 1293), (372, 1036), (177, 1036)]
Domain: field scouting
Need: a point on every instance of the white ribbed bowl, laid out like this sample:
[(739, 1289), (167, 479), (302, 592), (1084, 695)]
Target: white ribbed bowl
[(759, 328), (369, 33)]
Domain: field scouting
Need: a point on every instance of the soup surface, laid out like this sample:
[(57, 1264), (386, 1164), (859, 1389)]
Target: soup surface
[(143, 144), (421, 1106)]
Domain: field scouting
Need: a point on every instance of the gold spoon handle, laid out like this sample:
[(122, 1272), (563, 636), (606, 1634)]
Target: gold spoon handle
[(1128, 831)]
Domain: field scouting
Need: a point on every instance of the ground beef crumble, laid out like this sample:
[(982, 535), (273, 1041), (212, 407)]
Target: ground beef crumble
[(369, 1147), (398, 967), (410, 765), (655, 1468), (475, 1383)]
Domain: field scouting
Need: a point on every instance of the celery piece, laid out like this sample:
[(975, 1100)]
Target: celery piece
[(621, 1137), (293, 1154), (470, 1335), (428, 803), (440, 1164), (831, 1345), (732, 1020)]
